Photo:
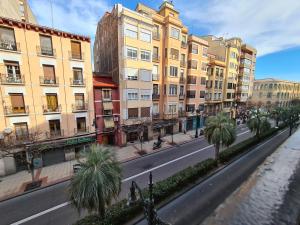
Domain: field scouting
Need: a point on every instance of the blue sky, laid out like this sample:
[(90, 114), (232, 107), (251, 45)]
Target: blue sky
[(271, 26)]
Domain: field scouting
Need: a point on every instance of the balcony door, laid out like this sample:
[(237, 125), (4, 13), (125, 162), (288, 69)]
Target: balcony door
[(49, 74), (52, 103), (46, 45), (77, 76), (76, 50), (21, 130), (12, 71), (54, 126), (7, 39), (79, 101), (17, 103), (81, 124)]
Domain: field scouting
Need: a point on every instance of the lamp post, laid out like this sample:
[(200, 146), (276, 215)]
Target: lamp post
[(148, 204), (197, 122)]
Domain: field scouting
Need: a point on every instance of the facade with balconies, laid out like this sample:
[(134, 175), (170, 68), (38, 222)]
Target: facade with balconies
[(46, 90)]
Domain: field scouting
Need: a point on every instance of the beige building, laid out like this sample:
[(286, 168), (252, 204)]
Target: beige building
[(271, 92), (46, 91), (17, 10)]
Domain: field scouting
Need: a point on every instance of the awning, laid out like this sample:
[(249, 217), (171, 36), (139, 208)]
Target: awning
[(107, 105), (109, 122)]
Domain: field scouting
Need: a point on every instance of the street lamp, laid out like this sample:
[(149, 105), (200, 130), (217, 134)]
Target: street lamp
[(148, 204), (197, 122)]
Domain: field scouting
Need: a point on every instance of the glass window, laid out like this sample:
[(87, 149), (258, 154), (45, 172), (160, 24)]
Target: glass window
[(54, 126), (79, 101), (145, 35), (175, 33), (192, 64), (202, 94), (81, 124), (52, 104), (133, 113), (172, 89), (46, 45), (131, 53), (131, 31), (203, 80), (174, 53), (76, 50), (132, 94), (13, 72), (106, 94), (155, 52), (145, 94), (172, 108), (49, 74), (145, 55), (145, 75), (204, 51), (131, 73), (145, 112), (190, 107), (77, 76), (204, 66), (193, 48), (173, 71), (17, 103), (21, 130), (7, 39)]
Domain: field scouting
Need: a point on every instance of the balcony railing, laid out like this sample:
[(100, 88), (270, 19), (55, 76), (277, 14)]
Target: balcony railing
[(182, 80), (79, 107), (191, 95), (12, 79), (155, 58), (82, 131), (182, 63), (156, 36), (48, 81), (49, 109), (155, 76), (16, 110), (55, 134), (77, 82), (76, 56), (9, 45), (45, 51), (181, 96), (155, 96), (155, 116), (183, 44)]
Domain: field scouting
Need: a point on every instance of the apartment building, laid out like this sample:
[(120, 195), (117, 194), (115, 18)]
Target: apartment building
[(273, 92), (46, 91), (196, 80), (107, 110)]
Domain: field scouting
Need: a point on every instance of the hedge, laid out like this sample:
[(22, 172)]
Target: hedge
[(120, 212)]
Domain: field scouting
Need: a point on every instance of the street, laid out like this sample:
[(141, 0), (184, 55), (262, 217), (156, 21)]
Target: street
[(50, 205)]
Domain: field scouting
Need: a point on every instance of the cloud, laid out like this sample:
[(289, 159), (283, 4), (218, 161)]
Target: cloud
[(268, 25), (76, 16)]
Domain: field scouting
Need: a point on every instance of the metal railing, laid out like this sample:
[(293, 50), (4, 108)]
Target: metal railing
[(49, 109), (156, 36), (181, 113), (54, 134), (83, 130), (76, 56), (77, 82), (155, 116), (45, 51), (12, 79), (48, 81), (155, 96), (155, 58), (16, 110), (181, 96), (9, 45), (79, 107), (182, 63), (184, 44), (182, 80), (155, 76)]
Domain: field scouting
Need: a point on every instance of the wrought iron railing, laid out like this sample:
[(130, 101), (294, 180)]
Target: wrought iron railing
[(51, 109), (77, 82), (16, 110), (45, 51), (12, 79), (49, 81), (9, 45), (76, 56), (79, 107)]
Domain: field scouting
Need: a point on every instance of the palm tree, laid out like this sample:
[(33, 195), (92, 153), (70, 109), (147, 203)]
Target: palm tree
[(97, 182), (220, 131), (291, 116), (258, 122), (277, 114)]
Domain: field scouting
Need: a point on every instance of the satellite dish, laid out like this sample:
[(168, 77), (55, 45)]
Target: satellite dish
[(7, 131)]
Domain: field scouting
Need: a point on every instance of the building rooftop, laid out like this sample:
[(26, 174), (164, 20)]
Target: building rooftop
[(104, 82), (273, 80)]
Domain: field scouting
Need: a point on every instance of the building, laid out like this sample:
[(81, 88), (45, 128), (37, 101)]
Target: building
[(107, 110), (271, 92), (17, 10), (46, 90)]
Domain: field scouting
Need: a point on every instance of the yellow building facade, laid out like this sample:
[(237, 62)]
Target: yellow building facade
[(46, 91)]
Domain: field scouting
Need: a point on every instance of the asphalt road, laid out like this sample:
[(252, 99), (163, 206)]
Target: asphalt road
[(196, 204), (50, 205)]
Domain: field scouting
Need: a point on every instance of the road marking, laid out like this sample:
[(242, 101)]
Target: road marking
[(248, 131), (124, 180), (41, 213)]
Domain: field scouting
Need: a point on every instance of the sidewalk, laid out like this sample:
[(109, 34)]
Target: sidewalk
[(15, 184)]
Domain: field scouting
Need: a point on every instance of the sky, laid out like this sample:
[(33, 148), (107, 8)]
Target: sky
[(271, 26)]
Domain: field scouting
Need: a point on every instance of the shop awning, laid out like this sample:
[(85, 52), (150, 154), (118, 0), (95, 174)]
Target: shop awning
[(109, 122), (107, 105)]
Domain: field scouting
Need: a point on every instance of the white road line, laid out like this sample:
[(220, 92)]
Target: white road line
[(124, 180), (248, 131)]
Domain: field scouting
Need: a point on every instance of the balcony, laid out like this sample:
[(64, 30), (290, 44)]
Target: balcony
[(181, 113), (51, 110), (155, 96), (181, 96), (81, 131), (183, 63), (169, 116), (246, 55), (48, 81), (79, 107), (15, 79), (191, 95), (156, 36), (155, 77), (77, 82), (16, 110), (183, 44), (9, 45), (54, 134), (45, 51), (155, 58), (76, 56), (155, 116), (182, 80)]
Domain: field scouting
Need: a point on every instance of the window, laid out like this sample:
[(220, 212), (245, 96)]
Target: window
[(145, 94), (7, 39), (204, 66), (81, 124), (204, 51), (228, 95), (155, 108), (46, 45), (174, 53), (145, 55), (190, 94), (190, 107), (145, 112), (17, 103), (13, 72), (145, 75), (202, 94), (181, 73), (131, 53), (246, 70), (133, 113), (183, 39), (76, 50), (203, 80), (21, 130), (155, 89), (132, 94), (77, 76), (173, 71), (172, 108), (193, 48), (172, 89), (131, 31), (131, 73), (216, 84), (54, 126), (182, 58), (106, 94), (155, 32), (79, 101), (49, 75), (229, 86), (145, 35), (155, 53), (192, 64), (52, 104), (233, 55), (191, 79), (175, 33), (181, 91), (155, 75)]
